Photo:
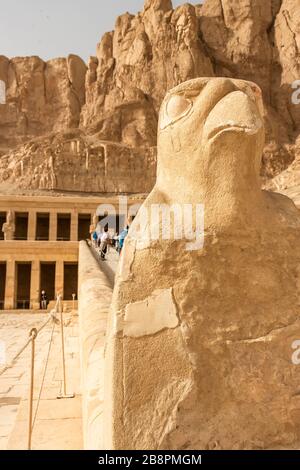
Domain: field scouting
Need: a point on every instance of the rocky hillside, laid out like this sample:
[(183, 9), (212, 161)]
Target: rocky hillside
[(114, 101)]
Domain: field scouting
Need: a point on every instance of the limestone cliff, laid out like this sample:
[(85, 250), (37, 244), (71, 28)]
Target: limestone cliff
[(41, 97), (117, 97)]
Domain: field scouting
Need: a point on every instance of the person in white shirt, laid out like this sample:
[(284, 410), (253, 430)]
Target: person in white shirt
[(104, 242)]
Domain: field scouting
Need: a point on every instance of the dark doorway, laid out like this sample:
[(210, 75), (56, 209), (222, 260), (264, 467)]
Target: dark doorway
[(47, 280), (21, 226), (2, 284), (42, 227), (84, 222), (2, 221), (70, 280), (120, 223), (63, 227), (23, 285)]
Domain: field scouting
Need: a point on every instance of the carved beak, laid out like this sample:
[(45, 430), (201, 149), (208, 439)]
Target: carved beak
[(236, 112)]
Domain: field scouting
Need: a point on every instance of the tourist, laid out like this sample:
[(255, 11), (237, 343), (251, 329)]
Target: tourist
[(99, 236), (122, 237), (44, 300), (95, 238), (104, 241), (115, 240)]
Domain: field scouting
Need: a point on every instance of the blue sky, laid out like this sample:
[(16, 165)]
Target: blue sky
[(55, 28)]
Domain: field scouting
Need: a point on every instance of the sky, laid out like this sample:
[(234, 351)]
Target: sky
[(56, 28)]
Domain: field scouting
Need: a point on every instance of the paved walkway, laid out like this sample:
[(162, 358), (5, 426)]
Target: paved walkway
[(58, 421)]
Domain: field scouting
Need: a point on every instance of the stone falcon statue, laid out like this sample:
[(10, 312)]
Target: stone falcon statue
[(200, 339)]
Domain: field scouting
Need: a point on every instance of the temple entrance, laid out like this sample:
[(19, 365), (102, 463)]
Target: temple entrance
[(70, 280), (2, 221), (84, 222), (23, 279), (21, 222), (47, 279), (63, 227), (2, 284), (42, 227)]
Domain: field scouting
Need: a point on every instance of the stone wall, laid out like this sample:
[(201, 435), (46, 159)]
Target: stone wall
[(95, 292)]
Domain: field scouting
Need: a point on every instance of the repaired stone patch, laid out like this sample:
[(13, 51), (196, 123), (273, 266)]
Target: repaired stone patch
[(146, 317)]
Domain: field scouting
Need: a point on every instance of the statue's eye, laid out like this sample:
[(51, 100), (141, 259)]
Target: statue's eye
[(176, 107)]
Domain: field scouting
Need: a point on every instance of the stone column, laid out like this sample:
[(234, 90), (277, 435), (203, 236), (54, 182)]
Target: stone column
[(35, 285), (53, 227), (10, 285), (32, 225), (59, 278), (74, 226)]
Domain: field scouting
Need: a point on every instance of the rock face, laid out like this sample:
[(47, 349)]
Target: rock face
[(41, 97), (71, 162), (227, 308), (117, 97), (145, 56)]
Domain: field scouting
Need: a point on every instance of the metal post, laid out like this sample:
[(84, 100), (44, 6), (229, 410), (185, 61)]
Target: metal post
[(32, 335), (73, 305), (64, 395)]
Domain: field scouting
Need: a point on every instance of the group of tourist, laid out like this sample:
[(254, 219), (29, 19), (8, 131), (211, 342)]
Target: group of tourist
[(103, 238)]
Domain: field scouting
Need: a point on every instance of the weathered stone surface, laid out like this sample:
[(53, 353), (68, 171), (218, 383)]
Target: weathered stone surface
[(41, 97), (146, 55), (93, 324), (71, 162), (118, 95), (288, 181), (158, 312), (224, 377)]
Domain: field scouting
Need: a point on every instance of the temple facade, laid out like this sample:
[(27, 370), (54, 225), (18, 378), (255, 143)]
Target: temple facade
[(39, 241)]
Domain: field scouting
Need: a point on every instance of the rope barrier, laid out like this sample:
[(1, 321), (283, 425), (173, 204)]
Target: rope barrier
[(43, 377), (33, 334), (64, 394), (12, 363)]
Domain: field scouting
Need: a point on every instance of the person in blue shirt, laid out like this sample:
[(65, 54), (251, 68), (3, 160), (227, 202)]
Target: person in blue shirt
[(122, 237), (95, 238)]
